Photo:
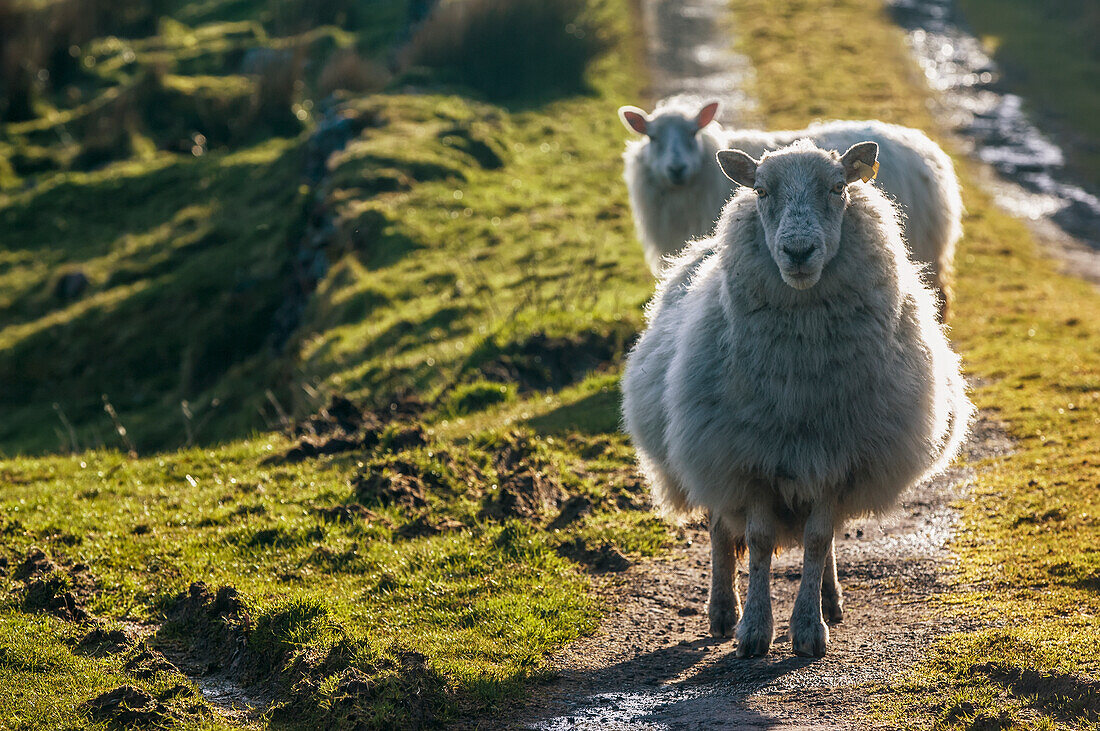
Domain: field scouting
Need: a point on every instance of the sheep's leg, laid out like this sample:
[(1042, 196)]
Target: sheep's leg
[(832, 599), (757, 628), (809, 634), (724, 607)]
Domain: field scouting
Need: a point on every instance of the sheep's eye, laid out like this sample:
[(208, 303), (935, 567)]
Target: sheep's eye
[(760, 192), (838, 188)]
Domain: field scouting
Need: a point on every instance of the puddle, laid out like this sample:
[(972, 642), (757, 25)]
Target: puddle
[(994, 123), (229, 697)]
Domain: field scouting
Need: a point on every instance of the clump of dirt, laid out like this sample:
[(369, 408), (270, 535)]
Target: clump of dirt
[(527, 484), (424, 687), (57, 589), (423, 526), (35, 563), (574, 509), (51, 595), (206, 632), (342, 426), (147, 662), (211, 637), (525, 493), (127, 707), (354, 701), (395, 481), (99, 642), (600, 559), (543, 361), (406, 437)]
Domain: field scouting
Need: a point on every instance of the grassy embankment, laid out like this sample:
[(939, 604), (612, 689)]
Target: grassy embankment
[(414, 577), (1028, 574)]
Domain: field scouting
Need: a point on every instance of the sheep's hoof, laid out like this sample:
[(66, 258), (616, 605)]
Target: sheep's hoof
[(833, 610), (810, 640), (754, 642), (724, 614)]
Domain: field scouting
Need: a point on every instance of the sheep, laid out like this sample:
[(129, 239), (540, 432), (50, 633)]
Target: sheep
[(677, 190), (792, 375)]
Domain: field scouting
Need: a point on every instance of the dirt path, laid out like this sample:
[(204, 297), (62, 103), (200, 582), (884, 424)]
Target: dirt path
[(689, 51), (652, 664)]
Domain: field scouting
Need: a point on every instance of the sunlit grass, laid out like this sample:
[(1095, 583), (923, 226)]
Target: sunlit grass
[(465, 230)]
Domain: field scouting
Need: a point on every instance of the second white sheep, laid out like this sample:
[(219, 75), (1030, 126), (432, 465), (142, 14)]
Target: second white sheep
[(677, 189)]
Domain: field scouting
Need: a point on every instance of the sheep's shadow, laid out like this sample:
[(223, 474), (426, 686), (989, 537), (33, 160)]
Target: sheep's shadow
[(658, 687)]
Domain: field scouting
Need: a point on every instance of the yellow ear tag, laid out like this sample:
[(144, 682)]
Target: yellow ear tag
[(866, 172)]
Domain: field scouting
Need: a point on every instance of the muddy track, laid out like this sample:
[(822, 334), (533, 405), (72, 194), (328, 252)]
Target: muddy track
[(1023, 166), (652, 663)]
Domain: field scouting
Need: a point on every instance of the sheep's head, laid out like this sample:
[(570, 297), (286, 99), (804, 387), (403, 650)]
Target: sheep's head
[(801, 194), (673, 151)]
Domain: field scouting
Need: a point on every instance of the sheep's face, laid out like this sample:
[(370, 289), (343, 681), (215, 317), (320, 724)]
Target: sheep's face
[(673, 152), (801, 194)]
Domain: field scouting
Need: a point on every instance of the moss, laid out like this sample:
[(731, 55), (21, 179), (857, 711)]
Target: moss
[(477, 396)]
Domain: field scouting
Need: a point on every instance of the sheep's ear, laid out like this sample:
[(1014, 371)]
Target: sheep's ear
[(634, 119), (738, 166), (860, 162), (706, 115)]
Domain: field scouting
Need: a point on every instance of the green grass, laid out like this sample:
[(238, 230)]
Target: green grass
[(484, 599), (471, 266), (1029, 562), (1049, 54), (170, 249), (465, 230), (470, 256)]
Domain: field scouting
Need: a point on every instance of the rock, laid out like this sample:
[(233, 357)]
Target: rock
[(70, 286)]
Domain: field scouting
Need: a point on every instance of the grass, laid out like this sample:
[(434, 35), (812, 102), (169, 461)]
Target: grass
[(1029, 563), (1049, 55), (484, 600), (414, 579), (468, 255)]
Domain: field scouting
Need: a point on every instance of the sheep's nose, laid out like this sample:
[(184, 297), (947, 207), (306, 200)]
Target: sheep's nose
[(676, 172), (798, 256)]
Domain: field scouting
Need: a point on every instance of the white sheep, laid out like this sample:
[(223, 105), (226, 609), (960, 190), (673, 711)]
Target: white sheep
[(677, 189), (792, 376)]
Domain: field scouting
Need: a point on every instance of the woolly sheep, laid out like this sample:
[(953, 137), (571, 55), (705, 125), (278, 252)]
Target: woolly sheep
[(677, 190), (792, 376)]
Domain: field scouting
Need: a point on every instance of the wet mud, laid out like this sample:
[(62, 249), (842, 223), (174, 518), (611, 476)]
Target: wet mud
[(1029, 177)]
